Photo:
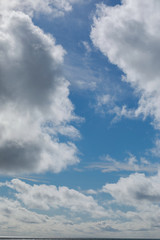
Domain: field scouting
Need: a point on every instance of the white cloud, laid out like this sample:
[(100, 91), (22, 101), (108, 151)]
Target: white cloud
[(86, 46), (22, 221), (104, 103), (109, 103), (12, 214), (156, 149), (142, 220), (80, 74), (128, 35), (17, 221), (34, 102), (140, 195), (135, 190), (53, 8), (130, 163), (91, 192), (49, 196)]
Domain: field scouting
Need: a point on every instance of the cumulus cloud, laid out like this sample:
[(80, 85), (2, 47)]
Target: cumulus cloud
[(128, 34), (20, 212), (13, 209), (34, 98), (16, 220), (135, 190), (140, 195), (22, 209), (19, 221), (54, 8), (45, 197)]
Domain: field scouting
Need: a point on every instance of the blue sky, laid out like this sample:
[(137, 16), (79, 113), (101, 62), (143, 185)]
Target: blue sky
[(79, 118)]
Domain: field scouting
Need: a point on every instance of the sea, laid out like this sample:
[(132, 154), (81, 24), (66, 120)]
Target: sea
[(20, 238)]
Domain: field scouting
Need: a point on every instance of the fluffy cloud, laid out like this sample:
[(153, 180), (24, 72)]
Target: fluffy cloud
[(46, 197), (12, 209), (141, 219), (19, 221), (128, 34), (34, 102), (140, 195), (135, 190), (54, 8), (25, 201)]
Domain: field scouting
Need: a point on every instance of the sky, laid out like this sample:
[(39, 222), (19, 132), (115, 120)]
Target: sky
[(80, 118)]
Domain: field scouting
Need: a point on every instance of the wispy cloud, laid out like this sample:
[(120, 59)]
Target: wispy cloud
[(87, 46), (130, 164)]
